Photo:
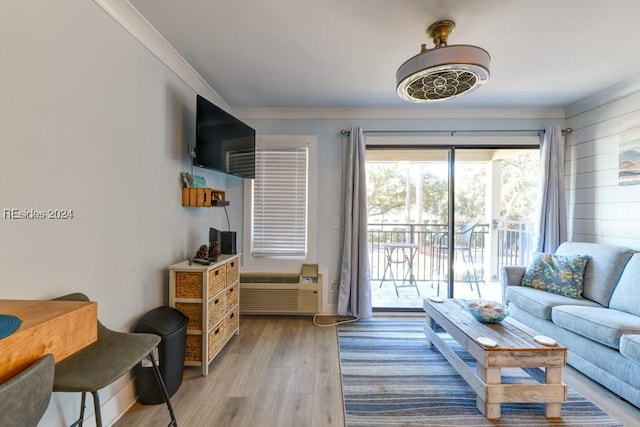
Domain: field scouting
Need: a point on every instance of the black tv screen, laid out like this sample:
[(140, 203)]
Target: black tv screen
[(223, 142)]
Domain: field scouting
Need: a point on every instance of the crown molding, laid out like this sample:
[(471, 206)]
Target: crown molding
[(398, 113), (132, 21), (612, 93)]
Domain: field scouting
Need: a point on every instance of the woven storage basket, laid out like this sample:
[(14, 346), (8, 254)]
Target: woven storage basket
[(216, 339), (217, 309), (232, 296), (188, 284), (232, 321), (216, 280), (193, 348), (194, 312), (232, 272)]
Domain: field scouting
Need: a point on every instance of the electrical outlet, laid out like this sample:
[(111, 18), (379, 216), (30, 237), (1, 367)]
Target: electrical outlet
[(334, 285), (335, 223)]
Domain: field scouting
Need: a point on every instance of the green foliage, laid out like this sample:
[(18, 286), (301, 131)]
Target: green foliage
[(470, 191), (434, 197), (520, 180), (387, 188)]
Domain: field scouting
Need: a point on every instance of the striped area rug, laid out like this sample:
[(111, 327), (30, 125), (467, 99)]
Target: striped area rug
[(391, 378)]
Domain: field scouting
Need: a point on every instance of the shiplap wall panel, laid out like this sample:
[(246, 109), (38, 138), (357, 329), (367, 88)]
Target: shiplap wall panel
[(592, 163), (619, 241), (616, 110), (599, 209), (592, 148), (626, 211), (604, 178), (606, 195)]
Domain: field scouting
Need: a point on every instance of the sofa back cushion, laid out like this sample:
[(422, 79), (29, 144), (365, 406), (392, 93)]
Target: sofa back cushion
[(605, 266), (626, 296)]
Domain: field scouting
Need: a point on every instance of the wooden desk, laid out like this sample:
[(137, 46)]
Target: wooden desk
[(58, 327)]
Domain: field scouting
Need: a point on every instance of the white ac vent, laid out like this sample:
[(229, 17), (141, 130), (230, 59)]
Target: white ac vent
[(279, 293)]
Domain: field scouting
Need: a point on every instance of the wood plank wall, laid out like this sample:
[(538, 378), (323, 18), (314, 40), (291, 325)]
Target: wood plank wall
[(599, 210)]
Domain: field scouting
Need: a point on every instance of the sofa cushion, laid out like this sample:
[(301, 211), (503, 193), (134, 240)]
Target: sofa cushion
[(630, 347), (539, 303), (604, 325), (626, 295), (603, 269), (558, 274)]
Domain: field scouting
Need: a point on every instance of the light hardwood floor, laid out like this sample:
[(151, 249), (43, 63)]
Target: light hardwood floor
[(284, 371)]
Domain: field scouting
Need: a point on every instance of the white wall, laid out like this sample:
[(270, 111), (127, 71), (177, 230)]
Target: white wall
[(599, 209), (93, 122)]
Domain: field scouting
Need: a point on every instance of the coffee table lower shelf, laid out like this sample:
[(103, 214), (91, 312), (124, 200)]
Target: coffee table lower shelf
[(516, 349)]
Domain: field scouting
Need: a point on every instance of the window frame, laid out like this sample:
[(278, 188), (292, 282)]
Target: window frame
[(281, 263)]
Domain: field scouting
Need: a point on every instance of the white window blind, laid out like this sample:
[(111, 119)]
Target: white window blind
[(280, 202)]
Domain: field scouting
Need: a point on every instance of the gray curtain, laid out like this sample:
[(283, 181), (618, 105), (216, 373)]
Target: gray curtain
[(355, 288), (552, 213)]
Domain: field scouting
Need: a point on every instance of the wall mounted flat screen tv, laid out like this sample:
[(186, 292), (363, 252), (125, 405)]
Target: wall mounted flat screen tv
[(223, 142)]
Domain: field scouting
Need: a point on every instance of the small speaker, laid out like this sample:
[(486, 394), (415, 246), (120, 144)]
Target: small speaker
[(228, 242), (214, 236)]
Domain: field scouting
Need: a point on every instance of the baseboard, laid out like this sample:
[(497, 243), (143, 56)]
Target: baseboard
[(122, 399)]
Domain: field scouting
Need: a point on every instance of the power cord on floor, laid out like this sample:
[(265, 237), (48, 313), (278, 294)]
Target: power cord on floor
[(340, 322)]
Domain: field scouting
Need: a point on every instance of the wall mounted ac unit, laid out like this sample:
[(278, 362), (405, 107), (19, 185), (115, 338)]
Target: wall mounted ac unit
[(279, 293)]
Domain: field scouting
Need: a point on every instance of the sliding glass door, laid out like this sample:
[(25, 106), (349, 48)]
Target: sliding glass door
[(417, 249)]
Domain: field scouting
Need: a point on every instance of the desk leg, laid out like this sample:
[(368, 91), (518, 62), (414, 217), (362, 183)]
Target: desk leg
[(488, 376)]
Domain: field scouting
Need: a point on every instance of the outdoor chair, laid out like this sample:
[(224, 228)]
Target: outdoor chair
[(462, 245), (25, 397), (99, 364)]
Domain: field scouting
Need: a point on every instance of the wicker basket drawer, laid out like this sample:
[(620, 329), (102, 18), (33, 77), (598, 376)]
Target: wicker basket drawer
[(194, 312), (216, 339), (232, 321), (216, 280), (217, 309), (232, 296), (188, 284), (233, 273), (193, 348)]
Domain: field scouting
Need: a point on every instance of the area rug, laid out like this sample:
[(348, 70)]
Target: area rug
[(391, 378)]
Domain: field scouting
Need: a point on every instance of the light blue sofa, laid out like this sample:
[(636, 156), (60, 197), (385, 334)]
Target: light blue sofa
[(602, 329)]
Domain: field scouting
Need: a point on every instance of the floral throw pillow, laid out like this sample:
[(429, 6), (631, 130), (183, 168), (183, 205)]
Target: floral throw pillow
[(559, 274)]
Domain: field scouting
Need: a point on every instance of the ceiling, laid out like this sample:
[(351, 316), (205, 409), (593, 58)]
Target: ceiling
[(345, 53)]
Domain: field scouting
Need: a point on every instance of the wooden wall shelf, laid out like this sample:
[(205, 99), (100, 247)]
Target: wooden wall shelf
[(203, 197)]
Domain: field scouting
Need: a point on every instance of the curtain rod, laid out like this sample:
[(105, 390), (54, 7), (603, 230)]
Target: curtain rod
[(453, 132)]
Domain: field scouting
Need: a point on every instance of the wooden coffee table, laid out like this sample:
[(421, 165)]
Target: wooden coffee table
[(516, 349)]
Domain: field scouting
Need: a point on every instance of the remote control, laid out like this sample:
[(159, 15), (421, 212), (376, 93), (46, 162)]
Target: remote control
[(202, 261)]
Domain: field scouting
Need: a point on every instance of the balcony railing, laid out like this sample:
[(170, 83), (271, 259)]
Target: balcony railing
[(514, 243)]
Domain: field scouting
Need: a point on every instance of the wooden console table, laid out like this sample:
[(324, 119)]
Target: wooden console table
[(58, 327)]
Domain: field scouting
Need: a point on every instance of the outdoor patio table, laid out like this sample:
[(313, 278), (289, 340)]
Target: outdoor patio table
[(405, 257)]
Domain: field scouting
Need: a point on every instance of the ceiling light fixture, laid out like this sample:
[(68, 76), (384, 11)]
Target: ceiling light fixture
[(444, 72)]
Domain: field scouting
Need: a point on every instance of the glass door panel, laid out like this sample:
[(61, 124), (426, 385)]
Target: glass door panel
[(471, 172), (407, 195), (495, 203)]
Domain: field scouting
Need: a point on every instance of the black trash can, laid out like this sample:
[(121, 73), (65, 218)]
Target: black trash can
[(171, 325)]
